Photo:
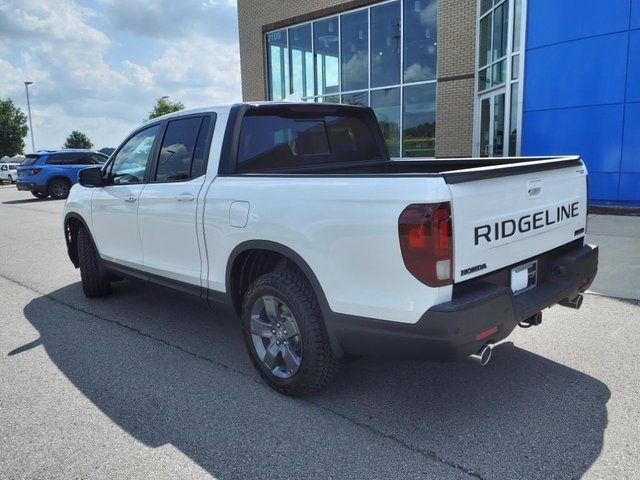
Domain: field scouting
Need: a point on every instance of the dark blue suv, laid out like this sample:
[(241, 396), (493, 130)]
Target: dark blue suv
[(51, 173)]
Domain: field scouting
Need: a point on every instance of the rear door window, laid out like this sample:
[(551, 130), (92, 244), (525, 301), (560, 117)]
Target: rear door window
[(183, 151), (284, 141), (66, 159)]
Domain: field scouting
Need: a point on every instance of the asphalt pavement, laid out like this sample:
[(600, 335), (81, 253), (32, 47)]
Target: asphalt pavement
[(148, 383)]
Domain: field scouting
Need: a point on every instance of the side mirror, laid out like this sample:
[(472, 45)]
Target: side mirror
[(90, 177)]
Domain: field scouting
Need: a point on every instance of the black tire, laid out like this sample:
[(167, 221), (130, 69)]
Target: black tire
[(59, 189), (95, 283), (39, 195), (318, 366)]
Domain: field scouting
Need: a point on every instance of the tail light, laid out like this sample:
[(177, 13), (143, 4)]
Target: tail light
[(426, 242), (35, 171)]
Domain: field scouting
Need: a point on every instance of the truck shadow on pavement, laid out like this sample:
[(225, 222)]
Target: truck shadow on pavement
[(167, 369)]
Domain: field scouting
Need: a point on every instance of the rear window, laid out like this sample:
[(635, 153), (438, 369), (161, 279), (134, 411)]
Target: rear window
[(30, 160), (277, 141)]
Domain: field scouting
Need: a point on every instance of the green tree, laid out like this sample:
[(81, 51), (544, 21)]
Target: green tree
[(163, 106), (13, 128), (77, 139)]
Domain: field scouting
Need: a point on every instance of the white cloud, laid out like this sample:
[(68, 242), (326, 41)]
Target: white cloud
[(78, 85)]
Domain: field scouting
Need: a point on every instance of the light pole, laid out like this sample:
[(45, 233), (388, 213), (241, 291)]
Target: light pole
[(26, 87)]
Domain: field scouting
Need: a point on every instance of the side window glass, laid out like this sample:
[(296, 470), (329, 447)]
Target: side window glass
[(177, 150), (132, 159), (199, 166)]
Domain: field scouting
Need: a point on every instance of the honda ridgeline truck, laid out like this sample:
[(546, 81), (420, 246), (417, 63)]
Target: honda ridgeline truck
[(295, 216)]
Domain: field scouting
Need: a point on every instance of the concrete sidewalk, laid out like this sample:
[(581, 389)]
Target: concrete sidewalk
[(619, 267)]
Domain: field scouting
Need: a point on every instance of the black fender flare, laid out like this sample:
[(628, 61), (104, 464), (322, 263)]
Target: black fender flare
[(304, 267), (78, 217)]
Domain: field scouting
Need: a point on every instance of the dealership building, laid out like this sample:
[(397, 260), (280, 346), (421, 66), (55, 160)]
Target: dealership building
[(459, 78)]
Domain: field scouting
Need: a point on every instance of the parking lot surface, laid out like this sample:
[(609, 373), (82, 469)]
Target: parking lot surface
[(148, 383)]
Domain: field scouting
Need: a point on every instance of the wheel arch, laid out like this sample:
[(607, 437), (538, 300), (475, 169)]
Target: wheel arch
[(72, 223), (253, 258)]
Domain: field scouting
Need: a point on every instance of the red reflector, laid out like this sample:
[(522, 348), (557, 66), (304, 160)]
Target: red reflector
[(486, 333), (583, 282)]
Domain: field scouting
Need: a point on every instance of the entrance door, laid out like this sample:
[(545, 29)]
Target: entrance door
[(491, 133)]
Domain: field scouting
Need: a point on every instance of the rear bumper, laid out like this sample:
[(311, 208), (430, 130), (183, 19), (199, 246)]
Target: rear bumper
[(30, 187), (448, 331)]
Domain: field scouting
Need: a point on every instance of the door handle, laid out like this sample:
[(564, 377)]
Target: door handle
[(185, 197), (130, 198)]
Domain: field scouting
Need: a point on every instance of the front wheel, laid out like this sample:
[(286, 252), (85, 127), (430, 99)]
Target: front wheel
[(285, 334), (59, 189), (95, 283)]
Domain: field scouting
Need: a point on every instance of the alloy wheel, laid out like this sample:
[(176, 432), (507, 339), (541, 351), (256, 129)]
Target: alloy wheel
[(276, 336)]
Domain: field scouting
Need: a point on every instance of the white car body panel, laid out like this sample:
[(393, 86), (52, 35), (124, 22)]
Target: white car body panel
[(508, 199), (346, 229)]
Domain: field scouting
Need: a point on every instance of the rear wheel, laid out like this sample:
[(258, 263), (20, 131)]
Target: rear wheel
[(59, 189), (285, 334), (95, 282), (40, 195)]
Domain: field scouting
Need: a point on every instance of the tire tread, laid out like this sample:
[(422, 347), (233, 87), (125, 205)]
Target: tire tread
[(94, 283)]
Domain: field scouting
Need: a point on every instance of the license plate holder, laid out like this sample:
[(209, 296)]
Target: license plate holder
[(524, 277)]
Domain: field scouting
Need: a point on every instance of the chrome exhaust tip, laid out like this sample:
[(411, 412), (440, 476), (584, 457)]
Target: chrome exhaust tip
[(574, 303), (483, 356)]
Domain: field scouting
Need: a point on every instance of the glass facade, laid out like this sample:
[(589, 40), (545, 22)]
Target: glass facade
[(498, 89), (383, 55)]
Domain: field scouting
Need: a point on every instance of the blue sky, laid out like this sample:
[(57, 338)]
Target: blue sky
[(99, 65)]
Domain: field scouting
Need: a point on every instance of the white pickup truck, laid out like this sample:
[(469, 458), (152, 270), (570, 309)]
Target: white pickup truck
[(327, 249)]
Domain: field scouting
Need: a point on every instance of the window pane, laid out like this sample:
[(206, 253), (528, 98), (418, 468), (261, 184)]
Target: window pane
[(513, 121), (131, 162), (328, 99), (278, 65), (199, 165), (360, 99), (500, 29), (420, 39), (385, 44), (515, 67), (484, 6), (325, 42), (484, 79), (301, 60), (177, 150), (498, 125), (355, 51), (271, 141), (386, 105), (485, 40), (517, 15), (499, 72), (419, 121), (485, 125)]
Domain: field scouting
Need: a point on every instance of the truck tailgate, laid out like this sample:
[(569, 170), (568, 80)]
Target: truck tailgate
[(515, 212)]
